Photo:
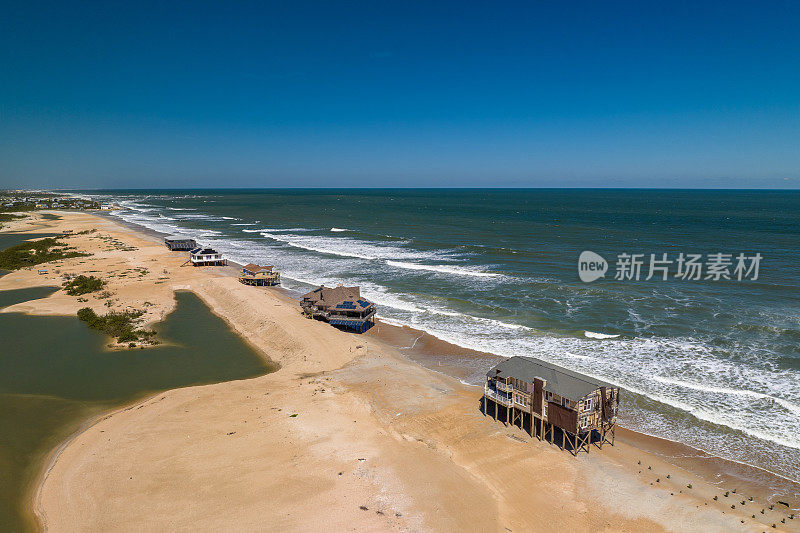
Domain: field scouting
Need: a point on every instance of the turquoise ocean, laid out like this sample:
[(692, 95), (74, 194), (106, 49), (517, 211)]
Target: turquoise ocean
[(714, 364)]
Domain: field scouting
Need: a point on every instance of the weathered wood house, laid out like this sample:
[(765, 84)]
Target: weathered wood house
[(180, 242), (206, 257), (543, 399), (253, 274), (340, 306)]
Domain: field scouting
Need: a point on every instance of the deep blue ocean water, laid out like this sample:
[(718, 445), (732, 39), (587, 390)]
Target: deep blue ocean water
[(711, 363)]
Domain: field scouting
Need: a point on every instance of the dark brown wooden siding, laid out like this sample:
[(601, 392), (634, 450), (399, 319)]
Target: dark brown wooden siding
[(566, 419), (608, 403), (536, 400)]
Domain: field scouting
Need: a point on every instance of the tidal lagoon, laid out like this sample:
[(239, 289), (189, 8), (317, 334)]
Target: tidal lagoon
[(56, 375)]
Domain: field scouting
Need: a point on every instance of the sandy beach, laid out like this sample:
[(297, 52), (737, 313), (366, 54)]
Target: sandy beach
[(353, 432)]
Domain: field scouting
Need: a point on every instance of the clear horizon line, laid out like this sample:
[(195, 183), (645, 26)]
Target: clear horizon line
[(788, 189)]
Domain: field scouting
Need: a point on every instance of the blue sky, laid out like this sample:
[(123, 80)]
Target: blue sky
[(266, 94)]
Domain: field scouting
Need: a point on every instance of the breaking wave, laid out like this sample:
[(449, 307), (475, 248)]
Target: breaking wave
[(593, 335), (443, 269), (713, 388)]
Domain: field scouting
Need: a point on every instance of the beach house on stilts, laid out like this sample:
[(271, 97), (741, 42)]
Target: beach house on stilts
[(340, 306), (201, 256), (551, 402), (179, 242), (253, 274)]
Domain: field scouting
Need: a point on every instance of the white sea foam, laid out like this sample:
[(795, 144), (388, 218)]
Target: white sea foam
[(390, 254), (444, 269), (339, 229), (593, 335), (795, 408), (289, 230), (322, 250), (576, 356), (201, 216), (345, 247), (729, 387), (393, 322), (627, 364)]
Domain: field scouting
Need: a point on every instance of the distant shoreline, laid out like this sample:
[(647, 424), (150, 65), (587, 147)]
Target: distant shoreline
[(429, 354), (368, 379)]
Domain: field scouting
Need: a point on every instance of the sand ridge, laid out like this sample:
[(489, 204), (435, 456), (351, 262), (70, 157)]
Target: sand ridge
[(378, 442)]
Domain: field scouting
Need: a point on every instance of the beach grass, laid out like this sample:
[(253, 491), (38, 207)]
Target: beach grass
[(31, 253), (120, 325), (83, 285), (8, 217)]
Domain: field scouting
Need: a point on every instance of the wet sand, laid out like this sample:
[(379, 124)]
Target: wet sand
[(442, 356), (378, 442)]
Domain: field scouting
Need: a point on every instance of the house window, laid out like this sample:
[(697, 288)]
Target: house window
[(587, 404), (564, 402)]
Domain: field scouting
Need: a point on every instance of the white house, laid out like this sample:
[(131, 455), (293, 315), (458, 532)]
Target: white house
[(206, 257)]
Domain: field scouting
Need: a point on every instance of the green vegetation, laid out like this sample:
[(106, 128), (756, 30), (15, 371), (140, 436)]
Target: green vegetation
[(122, 325), (32, 253), (17, 208), (56, 374), (16, 201), (7, 217), (83, 285)]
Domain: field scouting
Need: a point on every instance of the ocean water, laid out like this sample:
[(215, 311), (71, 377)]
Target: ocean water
[(713, 364)]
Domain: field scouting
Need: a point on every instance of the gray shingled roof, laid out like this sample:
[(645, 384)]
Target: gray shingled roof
[(559, 380), (330, 296)]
